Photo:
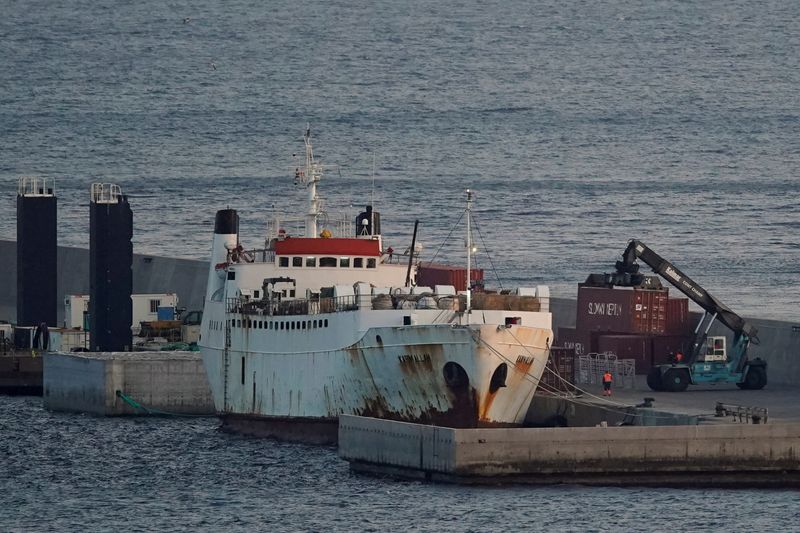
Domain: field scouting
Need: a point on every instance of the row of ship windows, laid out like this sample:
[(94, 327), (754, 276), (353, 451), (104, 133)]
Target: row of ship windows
[(328, 262), (282, 325)]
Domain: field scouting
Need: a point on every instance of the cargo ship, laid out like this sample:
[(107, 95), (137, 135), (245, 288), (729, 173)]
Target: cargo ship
[(328, 321)]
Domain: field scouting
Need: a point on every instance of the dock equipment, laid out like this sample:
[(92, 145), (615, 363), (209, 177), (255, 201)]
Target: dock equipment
[(709, 361)]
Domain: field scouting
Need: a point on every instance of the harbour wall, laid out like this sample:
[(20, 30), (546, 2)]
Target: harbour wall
[(718, 455), (89, 382)]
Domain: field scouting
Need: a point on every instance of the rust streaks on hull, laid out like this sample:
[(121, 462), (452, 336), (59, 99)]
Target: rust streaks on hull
[(463, 412)]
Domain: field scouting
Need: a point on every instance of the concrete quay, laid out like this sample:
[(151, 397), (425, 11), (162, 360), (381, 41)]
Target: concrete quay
[(21, 374), (731, 455), (781, 401), (98, 383)]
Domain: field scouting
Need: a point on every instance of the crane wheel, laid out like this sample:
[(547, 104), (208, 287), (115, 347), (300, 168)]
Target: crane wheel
[(755, 379), (654, 379), (675, 380)]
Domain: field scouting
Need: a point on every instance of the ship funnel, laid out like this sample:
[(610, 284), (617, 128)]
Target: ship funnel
[(226, 239)]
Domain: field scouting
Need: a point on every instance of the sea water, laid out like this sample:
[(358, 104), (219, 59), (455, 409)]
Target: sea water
[(579, 125)]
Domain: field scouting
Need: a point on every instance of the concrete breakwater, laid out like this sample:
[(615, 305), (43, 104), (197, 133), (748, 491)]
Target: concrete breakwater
[(715, 455), (122, 383)]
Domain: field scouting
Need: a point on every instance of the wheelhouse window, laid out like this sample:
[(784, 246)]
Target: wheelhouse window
[(297, 261), (327, 262), (311, 261), (358, 262), (154, 304), (344, 262), (371, 262), (283, 261)]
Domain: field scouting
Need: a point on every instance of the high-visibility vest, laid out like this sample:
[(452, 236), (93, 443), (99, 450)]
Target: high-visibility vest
[(607, 377)]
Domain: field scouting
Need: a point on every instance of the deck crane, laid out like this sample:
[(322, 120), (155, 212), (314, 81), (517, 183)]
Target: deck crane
[(709, 360)]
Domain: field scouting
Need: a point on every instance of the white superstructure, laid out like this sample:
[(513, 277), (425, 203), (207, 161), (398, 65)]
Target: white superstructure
[(320, 324)]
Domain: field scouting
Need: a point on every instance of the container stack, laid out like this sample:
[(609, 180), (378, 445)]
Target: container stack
[(431, 274), (633, 323), (559, 374)]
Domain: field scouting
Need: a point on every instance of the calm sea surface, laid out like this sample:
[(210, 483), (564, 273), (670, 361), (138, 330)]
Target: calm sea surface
[(579, 124), (81, 473)]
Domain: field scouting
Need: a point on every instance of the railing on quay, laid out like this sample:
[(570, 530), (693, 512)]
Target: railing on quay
[(295, 307), (591, 368)]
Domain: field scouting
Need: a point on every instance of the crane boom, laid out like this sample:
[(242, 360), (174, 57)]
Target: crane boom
[(638, 250)]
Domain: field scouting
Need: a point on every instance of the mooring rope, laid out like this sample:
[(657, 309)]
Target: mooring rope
[(151, 411)]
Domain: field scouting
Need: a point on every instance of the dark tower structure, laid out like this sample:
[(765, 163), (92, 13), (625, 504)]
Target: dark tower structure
[(110, 269), (37, 246), (368, 223)]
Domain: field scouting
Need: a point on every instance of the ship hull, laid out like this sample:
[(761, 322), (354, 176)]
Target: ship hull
[(439, 374)]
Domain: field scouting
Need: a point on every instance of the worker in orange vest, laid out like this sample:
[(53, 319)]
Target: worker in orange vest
[(607, 379)]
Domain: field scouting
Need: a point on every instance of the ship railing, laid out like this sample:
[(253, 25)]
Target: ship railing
[(105, 193), (276, 307), (36, 186), (340, 225), (258, 255)]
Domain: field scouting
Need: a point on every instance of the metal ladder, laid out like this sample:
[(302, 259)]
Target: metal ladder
[(226, 363)]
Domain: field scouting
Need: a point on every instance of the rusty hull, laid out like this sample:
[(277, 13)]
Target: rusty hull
[(389, 373)]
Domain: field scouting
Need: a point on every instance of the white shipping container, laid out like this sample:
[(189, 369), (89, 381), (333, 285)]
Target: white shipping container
[(66, 340)]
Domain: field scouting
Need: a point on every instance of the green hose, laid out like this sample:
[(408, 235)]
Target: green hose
[(157, 412)]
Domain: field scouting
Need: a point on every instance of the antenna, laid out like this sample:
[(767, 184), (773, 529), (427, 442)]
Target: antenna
[(372, 196)]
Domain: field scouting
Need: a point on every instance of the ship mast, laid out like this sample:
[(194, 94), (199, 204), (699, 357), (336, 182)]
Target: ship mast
[(469, 251), (311, 176)]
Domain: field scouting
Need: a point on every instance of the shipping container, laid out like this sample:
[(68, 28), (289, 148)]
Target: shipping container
[(430, 274), (621, 310), (678, 316), (559, 374), (570, 338), (636, 347)]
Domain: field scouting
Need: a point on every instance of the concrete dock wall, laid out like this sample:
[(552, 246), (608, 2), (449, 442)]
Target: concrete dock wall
[(87, 382), (779, 347), (693, 455)]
